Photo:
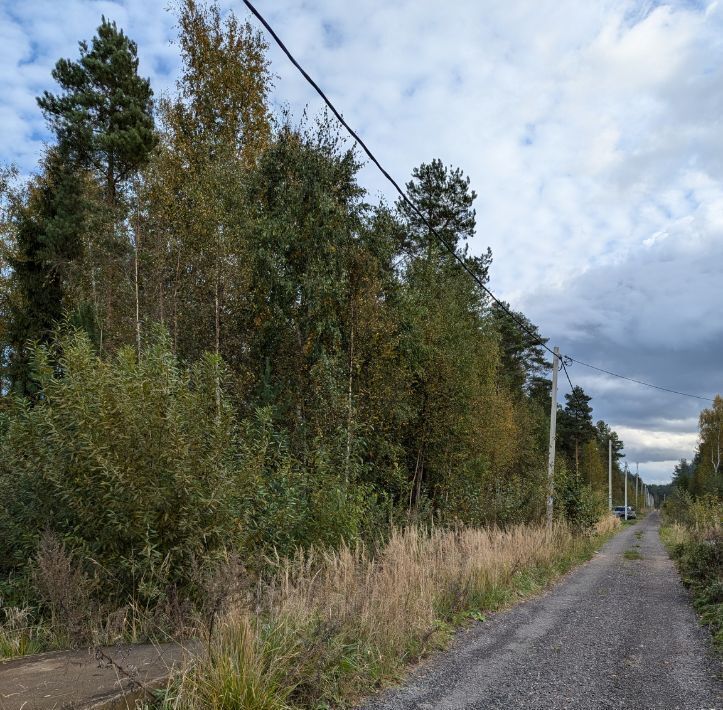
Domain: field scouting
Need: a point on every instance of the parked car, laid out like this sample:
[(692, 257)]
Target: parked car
[(619, 511)]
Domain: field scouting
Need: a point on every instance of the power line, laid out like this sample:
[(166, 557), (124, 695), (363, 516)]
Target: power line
[(567, 374), (393, 182), (639, 382), (513, 316)]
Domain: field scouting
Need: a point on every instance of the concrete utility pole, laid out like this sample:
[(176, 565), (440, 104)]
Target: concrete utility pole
[(626, 492), (553, 428), (610, 474)]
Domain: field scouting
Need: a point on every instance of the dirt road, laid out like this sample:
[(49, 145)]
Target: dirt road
[(615, 633)]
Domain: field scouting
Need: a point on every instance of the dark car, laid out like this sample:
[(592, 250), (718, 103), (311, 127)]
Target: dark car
[(619, 511)]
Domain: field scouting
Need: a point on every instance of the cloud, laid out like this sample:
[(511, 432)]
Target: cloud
[(590, 131), (655, 446)]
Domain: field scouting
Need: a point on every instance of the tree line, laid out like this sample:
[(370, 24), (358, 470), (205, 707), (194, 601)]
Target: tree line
[(702, 475), (212, 337)]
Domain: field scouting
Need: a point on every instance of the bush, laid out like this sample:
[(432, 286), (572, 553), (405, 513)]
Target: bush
[(701, 568), (139, 474), (694, 535), (130, 463), (583, 508), (703, 513), (289, 504)]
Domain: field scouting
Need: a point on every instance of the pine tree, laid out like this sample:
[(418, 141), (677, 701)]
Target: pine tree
[(522, 356), (575, 425), (46, 241), (459, 420), (103, 117)]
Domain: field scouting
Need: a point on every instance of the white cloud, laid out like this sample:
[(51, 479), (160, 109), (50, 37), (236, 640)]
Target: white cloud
[(646, 445)]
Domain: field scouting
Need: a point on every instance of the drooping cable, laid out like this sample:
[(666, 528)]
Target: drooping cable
[(639, 382), (392, 181), (407, 200)]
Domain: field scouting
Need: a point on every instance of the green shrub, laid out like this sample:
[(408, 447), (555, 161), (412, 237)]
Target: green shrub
[(582, 506), (144, 476), (701, 568), (288, 504), (130, 463)]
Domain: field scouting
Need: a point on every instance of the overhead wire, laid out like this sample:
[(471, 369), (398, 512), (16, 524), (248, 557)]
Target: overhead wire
[(392, 181), (450, 248), (639, 382)]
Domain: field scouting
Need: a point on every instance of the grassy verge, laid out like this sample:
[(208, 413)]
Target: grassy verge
[(327, 629), (699, 555)]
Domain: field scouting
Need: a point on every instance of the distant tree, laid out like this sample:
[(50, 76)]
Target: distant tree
[(708, 477), (522, 355), (683, 474), (46, 227), (575, 425), (603, 432)]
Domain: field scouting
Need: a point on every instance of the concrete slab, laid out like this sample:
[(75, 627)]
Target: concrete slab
[(105, 677)]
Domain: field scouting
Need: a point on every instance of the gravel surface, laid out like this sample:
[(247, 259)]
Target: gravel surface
[(614, 633)]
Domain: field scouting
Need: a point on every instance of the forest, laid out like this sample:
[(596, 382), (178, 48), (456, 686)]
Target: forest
[(214, 342)]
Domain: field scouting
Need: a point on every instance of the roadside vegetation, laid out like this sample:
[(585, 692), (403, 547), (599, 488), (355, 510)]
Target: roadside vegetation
[(693, 533), (242, 402), (329, 628), (693, 522)]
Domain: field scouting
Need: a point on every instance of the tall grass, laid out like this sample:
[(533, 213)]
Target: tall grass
[(326, 628)]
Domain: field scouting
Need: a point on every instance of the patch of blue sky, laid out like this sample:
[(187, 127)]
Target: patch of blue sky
[(333, 36), (163, 66), (32, 55), (529, 134), (411, 88)]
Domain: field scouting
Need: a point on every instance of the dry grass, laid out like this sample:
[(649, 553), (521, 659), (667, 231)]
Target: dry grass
[(608, 524), (674, 534), (328, 627), (19, 635)]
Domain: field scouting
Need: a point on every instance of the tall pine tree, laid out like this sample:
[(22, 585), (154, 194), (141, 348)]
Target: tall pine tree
[(103, 116)]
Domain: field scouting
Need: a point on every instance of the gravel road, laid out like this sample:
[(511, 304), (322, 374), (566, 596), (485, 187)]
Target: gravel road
[(614, 633)]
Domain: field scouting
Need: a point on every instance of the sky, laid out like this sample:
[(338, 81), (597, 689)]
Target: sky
[(591, 132)]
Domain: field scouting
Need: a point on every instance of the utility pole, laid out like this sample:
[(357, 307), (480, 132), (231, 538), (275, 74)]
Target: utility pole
[(626, 492), (551, 449), (637, 478), (610, 474)]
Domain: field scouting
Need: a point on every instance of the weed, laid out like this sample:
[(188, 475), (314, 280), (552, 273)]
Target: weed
[(632, 555), (63, 588), (19, 636), (699, 553)]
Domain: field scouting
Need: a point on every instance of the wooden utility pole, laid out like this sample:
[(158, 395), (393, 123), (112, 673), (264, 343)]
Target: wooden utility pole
[(610, 474), (553, 427), (626, 492)]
